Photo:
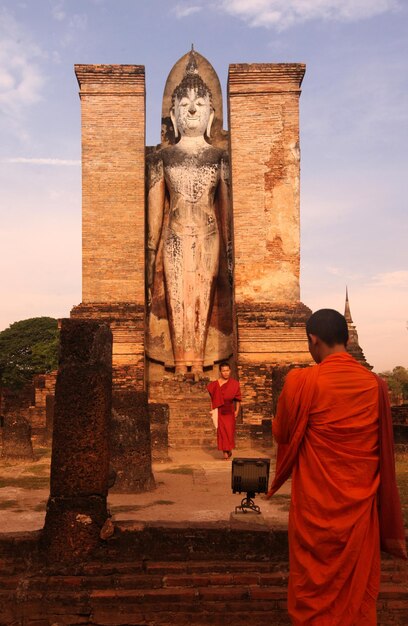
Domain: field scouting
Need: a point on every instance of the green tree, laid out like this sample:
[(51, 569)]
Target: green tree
[(27, 348), (397, 382)]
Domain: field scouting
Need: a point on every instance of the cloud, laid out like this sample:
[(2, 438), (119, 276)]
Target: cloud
[(39, 161), (281, 14), (184, 10), (21, 78), (399, 278), (57, 10), (73, 22)]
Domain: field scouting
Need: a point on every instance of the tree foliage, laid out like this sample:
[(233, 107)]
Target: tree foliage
[(27, 348), (397, 381)]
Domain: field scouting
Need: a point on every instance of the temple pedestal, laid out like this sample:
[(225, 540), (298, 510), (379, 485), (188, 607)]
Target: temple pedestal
[(270, 338), (126, 322), (188, 402)]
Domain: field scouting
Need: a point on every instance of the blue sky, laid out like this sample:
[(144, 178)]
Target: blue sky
[(353, 109)]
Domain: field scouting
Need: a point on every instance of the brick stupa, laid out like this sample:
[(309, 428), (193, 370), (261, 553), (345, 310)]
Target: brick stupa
[(353, 346)]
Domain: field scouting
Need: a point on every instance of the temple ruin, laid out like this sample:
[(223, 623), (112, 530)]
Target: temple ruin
[(256, 318)]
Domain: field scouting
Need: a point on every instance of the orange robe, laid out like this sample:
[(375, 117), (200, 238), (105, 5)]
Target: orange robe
[(327, 425)]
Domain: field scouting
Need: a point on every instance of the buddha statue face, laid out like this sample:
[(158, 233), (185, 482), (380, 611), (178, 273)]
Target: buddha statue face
[(192, 113)]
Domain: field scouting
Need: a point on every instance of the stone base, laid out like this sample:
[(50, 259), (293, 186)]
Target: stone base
[(271, 338), (72, 528), (188, 401)]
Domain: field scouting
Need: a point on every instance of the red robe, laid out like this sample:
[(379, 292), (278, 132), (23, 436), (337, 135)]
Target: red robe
[(333, 429), (222, 398)]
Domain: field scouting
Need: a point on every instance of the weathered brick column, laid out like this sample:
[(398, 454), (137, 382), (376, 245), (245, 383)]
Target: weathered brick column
[(76, 509), (265, 164), (130, 442), (113, 210)]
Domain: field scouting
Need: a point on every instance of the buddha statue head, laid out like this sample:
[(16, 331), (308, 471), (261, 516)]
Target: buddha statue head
[(192, 111)]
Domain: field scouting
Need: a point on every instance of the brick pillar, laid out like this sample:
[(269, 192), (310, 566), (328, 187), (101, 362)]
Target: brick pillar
[(264, 129), (130, 442), (113, 210), (263, 102), (76, 509)]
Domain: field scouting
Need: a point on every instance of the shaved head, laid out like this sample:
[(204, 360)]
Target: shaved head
[(329, 325)]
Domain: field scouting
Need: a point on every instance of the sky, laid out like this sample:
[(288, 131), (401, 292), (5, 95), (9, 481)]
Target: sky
[(353, 137)]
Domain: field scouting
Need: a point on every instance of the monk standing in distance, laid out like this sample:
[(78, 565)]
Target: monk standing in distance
[(191, 178), (225, 395), (334, 430)]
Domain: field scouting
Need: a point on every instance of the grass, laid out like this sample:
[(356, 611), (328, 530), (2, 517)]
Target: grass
[(40, 507), (8, 504), (39, 470), (128, 508), (25, 482), (181, 469), (282, 500)]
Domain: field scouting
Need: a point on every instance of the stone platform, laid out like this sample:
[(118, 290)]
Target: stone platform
[(180, 574), (177, 557)]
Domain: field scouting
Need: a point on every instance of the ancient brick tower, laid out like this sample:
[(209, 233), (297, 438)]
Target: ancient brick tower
[(353, 345), (268, 319)]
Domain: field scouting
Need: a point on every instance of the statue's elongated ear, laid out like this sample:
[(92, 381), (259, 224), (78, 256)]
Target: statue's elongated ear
[(210, 121), (173, 121)]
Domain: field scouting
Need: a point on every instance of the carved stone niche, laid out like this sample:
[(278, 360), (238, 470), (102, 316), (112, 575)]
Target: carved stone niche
[(219, 342)]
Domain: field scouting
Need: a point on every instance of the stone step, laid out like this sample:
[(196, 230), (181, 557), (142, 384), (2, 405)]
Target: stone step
[(159, 593)]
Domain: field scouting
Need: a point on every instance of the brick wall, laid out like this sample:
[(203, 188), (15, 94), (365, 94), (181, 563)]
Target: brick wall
[(188, 403), (126, 322), (265, 160), (113, 155), (44, 385)]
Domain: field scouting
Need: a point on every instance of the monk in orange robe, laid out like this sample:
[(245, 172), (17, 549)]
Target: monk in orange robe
[(226, 398), (333, 426)]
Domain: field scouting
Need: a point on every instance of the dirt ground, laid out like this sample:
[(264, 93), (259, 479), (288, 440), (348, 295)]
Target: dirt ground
[(194, 486)]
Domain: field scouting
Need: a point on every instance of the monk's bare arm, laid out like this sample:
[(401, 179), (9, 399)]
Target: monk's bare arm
[(155, 212)]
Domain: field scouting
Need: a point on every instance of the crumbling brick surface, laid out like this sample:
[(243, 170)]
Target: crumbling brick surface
[(156, 576), (265, 161), (130, 445), (76, 509), (126, 322)]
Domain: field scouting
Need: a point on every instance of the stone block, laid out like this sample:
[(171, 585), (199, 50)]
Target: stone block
[(73, 527), (130, 442)]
